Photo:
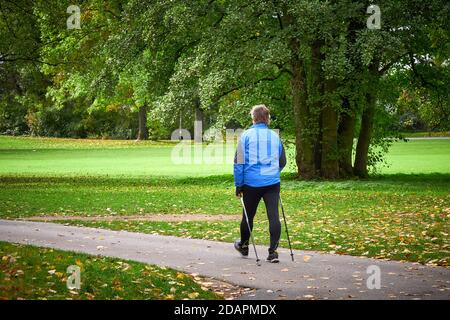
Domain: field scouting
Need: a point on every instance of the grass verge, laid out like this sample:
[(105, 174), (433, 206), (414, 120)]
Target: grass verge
[(28, 272)]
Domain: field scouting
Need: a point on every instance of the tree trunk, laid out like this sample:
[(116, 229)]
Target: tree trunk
[(315, 124), (365, 134), (198, 125), (345, 139), (143, 131), (318, 146), (303, 143), (329, 163)]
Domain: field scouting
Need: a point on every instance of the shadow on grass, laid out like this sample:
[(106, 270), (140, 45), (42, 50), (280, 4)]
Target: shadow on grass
[(395, 177), (114, 180), (438, 181), (289, 181)]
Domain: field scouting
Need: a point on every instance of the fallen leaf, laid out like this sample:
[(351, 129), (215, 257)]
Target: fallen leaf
[(193, 295), (180, 275)]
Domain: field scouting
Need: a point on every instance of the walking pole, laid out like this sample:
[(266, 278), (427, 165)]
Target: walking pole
[(250, 230), (287, 232)]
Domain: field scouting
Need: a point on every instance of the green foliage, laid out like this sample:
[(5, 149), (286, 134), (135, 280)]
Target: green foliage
[(12, 117)]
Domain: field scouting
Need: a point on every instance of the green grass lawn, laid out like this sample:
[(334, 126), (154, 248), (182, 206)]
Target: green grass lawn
[(28, 272), (402, 214), (418, 156), (71, 157)]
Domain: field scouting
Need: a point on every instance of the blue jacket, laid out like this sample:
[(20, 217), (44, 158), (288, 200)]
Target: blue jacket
[(259, 158)]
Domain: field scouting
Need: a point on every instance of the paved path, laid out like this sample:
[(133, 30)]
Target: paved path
[(312, 275)]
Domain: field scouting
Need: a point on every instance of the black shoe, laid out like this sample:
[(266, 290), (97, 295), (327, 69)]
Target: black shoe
[(243, 249), (273, 257)]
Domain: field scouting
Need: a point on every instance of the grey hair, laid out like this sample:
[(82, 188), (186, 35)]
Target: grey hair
[(260, 114)]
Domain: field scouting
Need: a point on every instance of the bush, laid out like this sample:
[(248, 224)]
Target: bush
[(13, 117)]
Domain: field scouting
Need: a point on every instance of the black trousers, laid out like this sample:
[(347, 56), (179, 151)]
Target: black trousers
[(252, 197)]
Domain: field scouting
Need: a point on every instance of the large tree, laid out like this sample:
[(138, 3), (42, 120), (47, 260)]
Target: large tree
[(329, 60)]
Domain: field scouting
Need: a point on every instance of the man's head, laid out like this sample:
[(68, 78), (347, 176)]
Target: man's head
[(260, 114)]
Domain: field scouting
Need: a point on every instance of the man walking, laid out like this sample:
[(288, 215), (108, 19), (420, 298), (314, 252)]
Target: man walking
[(259, 159)]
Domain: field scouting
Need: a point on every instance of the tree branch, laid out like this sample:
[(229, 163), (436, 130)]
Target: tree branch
[(30, 60), (424, 82), (251, 84), (390, 64)]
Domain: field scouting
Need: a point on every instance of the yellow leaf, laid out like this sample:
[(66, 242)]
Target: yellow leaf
[(193, 295), (180, 275)]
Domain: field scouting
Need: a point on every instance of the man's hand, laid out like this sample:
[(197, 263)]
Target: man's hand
[(239, 191)]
